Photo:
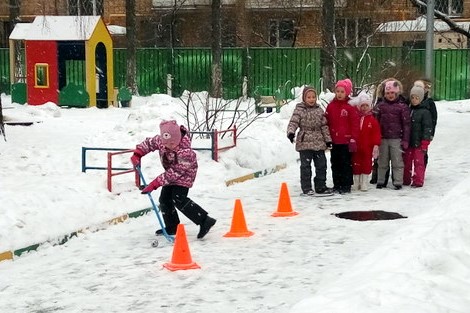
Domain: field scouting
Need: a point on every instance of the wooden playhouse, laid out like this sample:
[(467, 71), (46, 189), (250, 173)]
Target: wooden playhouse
[(68, 60)]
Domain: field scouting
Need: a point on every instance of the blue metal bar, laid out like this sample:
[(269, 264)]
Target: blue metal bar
[(85, 149), (155, 208)]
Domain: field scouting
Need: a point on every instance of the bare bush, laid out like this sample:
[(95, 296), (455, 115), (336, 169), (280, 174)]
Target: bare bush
[(204, 114)]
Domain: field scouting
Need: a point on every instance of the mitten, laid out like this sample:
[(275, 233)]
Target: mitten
[(375, 152), (404, 145), (424, 144), (291, 137), (352, 145), (154, 185), (329, 145), (135, 158), (183, 131)]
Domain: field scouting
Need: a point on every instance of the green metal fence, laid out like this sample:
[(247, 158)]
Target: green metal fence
[(4, 71), (272, 71)]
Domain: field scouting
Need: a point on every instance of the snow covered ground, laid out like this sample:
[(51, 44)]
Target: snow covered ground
[(313, 262)]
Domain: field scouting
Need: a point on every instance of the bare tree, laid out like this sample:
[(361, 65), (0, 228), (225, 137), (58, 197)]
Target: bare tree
[(2, 126), (14, 19), (328, 52), (216, 49), (131, 73)]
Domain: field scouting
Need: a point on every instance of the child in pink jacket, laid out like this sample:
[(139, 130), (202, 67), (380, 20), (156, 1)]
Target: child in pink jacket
[(180, 164), (368, 142)]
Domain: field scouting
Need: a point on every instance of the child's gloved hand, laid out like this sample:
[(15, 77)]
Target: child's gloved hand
[(135, 158), (291, 137), (404, 145), (352, 145), (425, 145), (375, 152), (154, 185), (183, 131)]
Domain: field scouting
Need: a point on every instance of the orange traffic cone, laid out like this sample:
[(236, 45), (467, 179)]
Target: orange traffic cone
[(238, 228), (284, 207), (181, 258)]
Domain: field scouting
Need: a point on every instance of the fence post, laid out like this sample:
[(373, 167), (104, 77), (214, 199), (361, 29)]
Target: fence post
[(234, 135), (215, 139), (169, 86), (83, 160), (110, 166), (245, 88)]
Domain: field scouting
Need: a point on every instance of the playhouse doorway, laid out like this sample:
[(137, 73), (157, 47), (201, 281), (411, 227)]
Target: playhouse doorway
[(101, 66), (71, 63)]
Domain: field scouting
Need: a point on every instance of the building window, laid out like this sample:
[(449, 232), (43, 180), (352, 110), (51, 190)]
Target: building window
[(352, 32), (448, 7), (41, 75), (281, 33), (85, 7)]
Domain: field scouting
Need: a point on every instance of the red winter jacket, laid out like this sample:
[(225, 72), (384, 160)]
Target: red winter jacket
[(369, 135), (343, 121)]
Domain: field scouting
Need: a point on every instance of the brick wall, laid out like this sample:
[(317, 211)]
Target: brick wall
[(248, 27)]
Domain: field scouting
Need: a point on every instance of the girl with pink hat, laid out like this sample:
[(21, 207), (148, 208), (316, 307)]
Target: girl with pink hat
[(343, 122), (180, 164), (393, 115)]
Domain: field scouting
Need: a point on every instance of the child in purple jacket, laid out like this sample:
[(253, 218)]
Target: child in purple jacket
[(180, 164), (393, 115)]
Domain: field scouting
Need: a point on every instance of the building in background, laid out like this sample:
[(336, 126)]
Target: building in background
[(250, 23)]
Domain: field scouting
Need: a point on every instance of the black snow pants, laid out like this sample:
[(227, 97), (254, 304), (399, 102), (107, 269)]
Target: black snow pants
[(176, 197)]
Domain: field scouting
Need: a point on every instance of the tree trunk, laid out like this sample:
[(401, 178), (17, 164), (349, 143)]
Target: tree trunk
[(243, 24), (216, 91), (131, 72), (14, 19), (2, 127), (328, 52)]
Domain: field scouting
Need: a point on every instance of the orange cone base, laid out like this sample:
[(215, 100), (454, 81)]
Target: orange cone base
[(239, 234), (177, 267), (280, 214)]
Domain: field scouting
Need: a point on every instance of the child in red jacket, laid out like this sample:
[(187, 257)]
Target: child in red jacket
[(368, 142), (343, 122)]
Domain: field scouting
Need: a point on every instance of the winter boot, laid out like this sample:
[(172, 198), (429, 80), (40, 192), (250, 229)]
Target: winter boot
[(364, 182), (308, 193), (356, 182), (373, 178), (205, 226), (169, 231), (324, 190)]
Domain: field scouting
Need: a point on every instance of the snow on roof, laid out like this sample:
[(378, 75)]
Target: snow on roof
[(116, 29), (62, 28), (418, 25), (20, 31)]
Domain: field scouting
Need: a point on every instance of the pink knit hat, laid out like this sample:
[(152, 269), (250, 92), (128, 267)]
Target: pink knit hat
[(346, 84), (170, 133), (392, 86)]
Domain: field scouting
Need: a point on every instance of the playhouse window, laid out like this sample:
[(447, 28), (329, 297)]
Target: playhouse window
[(41, 75)]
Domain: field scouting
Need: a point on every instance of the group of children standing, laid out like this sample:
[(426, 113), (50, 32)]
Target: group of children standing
[(396, 131)]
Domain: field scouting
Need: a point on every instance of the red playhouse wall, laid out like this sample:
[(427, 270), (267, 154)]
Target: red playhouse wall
[(42, 52)]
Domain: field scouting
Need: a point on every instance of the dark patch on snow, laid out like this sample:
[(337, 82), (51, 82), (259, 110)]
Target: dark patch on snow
[(369, 215)]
